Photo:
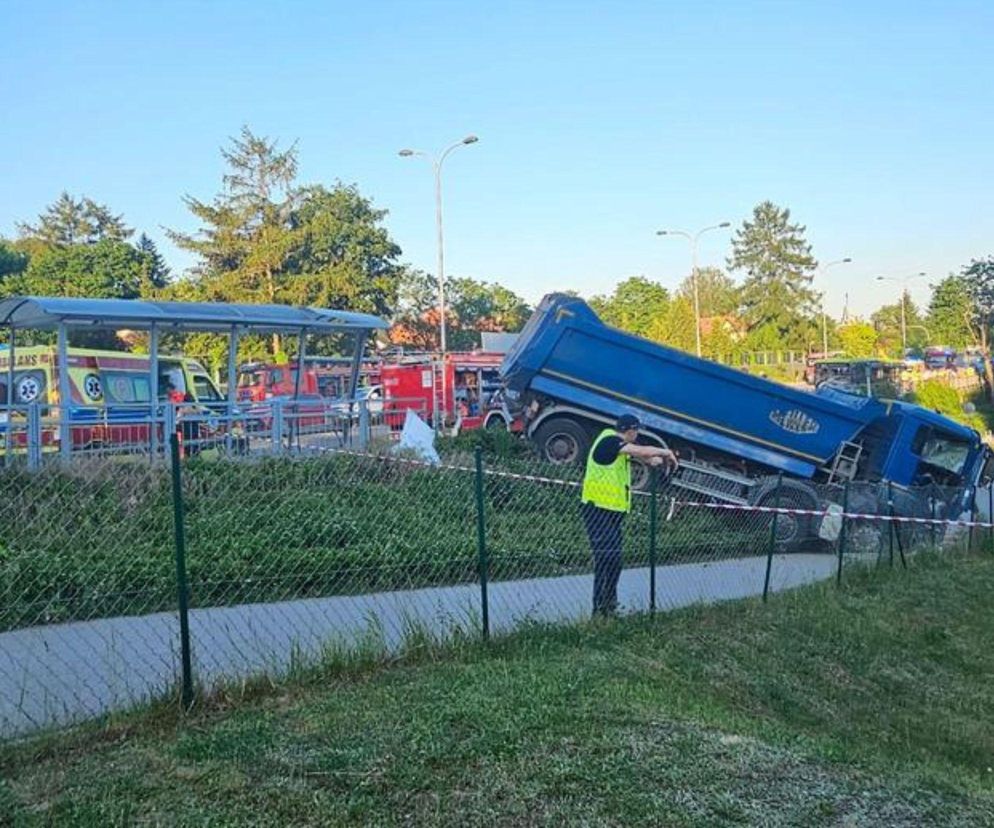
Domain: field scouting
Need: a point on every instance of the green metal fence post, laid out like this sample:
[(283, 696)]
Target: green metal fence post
[(973, 519), (842, 531), (653, 510), (932, 526), (890, 523), (481, 545), (990, 513), (773, 539), (182, 587)]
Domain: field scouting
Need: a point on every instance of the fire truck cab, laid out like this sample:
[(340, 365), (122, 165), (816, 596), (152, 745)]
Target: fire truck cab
[(326, 377), (458, 389)]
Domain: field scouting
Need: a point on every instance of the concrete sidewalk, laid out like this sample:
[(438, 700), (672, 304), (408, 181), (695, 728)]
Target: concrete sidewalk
[(65, 673)]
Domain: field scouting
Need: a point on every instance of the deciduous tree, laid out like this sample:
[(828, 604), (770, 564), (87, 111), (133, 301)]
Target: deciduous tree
[(887, 321), (13, 263), (635, 306), (858, 338), (978, 277), (265, 239), (471, 307), (950, 312), (717, 293)]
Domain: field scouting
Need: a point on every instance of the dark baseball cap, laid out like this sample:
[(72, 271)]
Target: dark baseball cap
[(626, 422)]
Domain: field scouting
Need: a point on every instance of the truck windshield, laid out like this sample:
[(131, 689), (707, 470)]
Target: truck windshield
[(941, 450), (205, 390), (246, 379)]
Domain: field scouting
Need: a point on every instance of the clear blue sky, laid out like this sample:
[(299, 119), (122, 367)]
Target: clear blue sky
[(599, 123)]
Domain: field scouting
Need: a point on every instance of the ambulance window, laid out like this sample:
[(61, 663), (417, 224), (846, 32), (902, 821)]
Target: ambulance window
[(125, 387), (142, 388), (204, 389)]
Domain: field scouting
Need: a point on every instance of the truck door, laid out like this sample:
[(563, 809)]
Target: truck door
[(982, 496)]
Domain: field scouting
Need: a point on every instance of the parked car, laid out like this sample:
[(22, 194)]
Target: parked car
[(371, 395)]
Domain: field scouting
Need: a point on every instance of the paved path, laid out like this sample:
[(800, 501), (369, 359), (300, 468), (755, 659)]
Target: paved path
[(64, 673)]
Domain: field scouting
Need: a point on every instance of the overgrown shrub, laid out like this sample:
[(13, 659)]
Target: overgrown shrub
[(936, 395), (97, 541)]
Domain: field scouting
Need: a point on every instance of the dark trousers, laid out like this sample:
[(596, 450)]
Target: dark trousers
[(604, 531)]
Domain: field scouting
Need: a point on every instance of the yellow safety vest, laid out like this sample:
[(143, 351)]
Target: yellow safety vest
[(608, 487)]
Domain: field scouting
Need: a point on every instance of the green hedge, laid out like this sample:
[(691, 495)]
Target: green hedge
[(89, 542)]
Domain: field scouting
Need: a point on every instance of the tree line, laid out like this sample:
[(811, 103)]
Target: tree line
[(262, 238), (266, 237), (776, 306)]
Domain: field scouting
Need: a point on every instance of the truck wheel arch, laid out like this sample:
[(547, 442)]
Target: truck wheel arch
[(496, 421)]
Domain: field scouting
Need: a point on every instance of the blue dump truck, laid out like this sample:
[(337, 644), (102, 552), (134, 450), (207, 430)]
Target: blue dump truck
[(736, 433)]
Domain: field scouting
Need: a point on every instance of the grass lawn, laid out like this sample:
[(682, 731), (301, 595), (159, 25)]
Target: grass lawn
[(869, 706)]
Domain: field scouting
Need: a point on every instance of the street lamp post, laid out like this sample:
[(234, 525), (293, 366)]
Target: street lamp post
[(436, 163), (824, 323), (693, 270), (904, 282)]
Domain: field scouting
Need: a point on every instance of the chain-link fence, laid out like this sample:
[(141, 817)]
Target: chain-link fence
[(114, 570)]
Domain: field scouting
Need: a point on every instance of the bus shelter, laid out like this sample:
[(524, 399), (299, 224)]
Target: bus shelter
[(64, 315)]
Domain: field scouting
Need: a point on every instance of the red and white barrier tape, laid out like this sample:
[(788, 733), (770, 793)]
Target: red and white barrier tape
[(734, 507), (674, 503)]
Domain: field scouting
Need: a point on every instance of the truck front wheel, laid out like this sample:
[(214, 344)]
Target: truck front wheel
[(863, 535), (562, 441)]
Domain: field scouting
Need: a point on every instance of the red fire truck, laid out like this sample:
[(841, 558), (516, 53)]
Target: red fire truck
[(463, 385), (323, 377)]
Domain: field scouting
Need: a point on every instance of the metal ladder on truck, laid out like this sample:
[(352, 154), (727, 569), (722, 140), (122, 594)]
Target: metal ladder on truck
[(438, 394), (846, 462)]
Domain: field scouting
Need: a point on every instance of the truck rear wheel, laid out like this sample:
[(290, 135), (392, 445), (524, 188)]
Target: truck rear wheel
[(793, 531), (562, 441), (641, 476)]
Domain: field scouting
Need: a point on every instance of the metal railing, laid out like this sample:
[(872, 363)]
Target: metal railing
[(34, 434)]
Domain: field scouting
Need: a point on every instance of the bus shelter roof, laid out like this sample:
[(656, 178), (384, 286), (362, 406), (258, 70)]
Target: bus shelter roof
[(49, 312)]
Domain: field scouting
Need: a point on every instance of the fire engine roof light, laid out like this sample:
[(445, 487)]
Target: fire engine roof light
[(48, 312)]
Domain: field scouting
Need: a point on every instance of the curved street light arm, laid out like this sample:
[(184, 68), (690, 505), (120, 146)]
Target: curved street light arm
[(447, 150), (683, 233), (693, 270), (711, 227)]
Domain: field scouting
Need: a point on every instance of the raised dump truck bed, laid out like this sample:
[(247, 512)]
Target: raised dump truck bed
[(568, 354)]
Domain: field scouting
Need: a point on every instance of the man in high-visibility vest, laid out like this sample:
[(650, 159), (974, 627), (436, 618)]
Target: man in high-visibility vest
[(607, 498)]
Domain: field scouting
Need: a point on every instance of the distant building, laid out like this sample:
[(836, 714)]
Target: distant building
[(497, 342), (729, 324)]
